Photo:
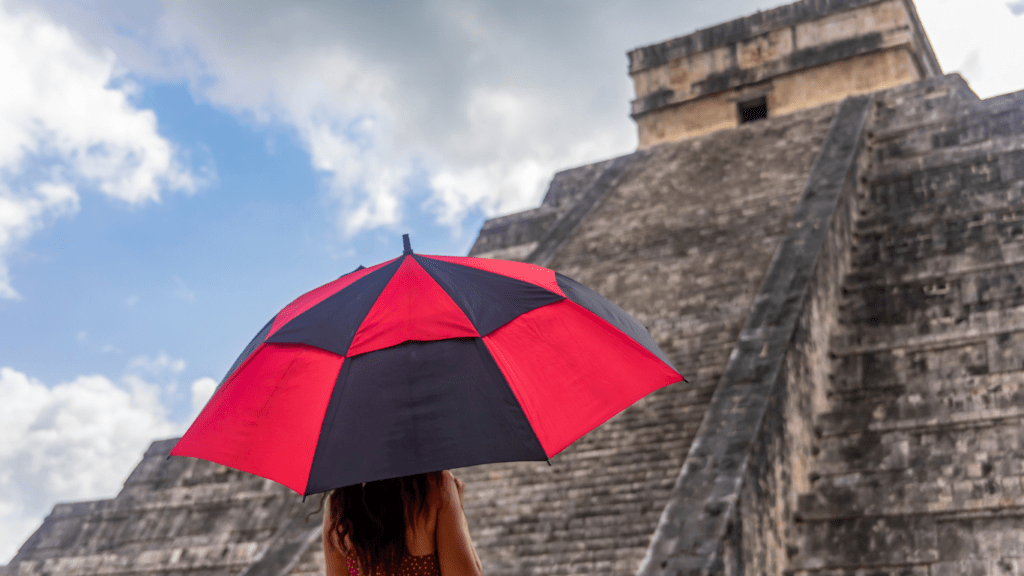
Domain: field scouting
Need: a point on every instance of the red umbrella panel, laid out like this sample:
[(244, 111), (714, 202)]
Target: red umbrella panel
[(425, 363)]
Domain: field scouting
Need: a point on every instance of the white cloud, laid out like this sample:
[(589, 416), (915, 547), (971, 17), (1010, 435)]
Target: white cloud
[(482, 102), (978, 38), (24, 213), (182, 291), (202, 390), (159, 365), (153, 379), (67, 122), (77, 440), (447, 93), (83, 337)]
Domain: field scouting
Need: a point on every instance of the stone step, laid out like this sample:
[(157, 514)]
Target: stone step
[(865, 543), (949, 331), (947, 183), (934, 370), (941, 544), (954, 450), (970, 125), (929, 101), (925, 404), (962, 203), (923, 433), (923, 261), (535, 506), (195, 559), (936, 304), (897, 570), (187, 524), (903, 493)]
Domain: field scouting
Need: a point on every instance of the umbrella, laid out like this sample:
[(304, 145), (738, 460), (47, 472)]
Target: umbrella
[(425, 363)]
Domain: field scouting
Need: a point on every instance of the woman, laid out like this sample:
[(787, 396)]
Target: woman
[(414, 525)]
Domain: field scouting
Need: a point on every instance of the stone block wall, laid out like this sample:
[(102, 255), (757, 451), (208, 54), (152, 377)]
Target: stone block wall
[(731, 509), (891, 442), (920, 458), (781, 459), (796, 56)]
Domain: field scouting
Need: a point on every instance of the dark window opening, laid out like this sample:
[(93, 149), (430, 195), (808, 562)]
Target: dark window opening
[(756, 109)]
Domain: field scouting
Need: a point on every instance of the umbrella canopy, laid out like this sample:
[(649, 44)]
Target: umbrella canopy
[(425, 363)]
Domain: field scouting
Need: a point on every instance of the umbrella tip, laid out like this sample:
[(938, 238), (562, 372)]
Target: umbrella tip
[(406, 244)]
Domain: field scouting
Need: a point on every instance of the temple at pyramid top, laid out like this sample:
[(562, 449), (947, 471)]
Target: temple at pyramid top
[(774, 62)]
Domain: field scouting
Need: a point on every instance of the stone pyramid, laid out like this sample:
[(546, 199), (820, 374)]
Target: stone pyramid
[(826, 236)]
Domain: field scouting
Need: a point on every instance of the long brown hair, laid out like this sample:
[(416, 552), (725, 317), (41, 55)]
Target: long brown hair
[(374, 516)]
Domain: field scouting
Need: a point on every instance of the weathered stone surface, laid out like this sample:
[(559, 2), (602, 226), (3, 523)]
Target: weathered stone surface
[(728, 509), (919, 460), (796, 56)]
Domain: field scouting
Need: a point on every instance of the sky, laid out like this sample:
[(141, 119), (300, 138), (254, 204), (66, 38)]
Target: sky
[(174, 173)]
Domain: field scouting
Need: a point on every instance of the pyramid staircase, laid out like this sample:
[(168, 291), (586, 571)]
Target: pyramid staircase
[(919, 461)]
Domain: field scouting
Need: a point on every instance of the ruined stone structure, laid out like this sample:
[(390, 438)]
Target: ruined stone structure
[(842, 282), (775, 62)]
